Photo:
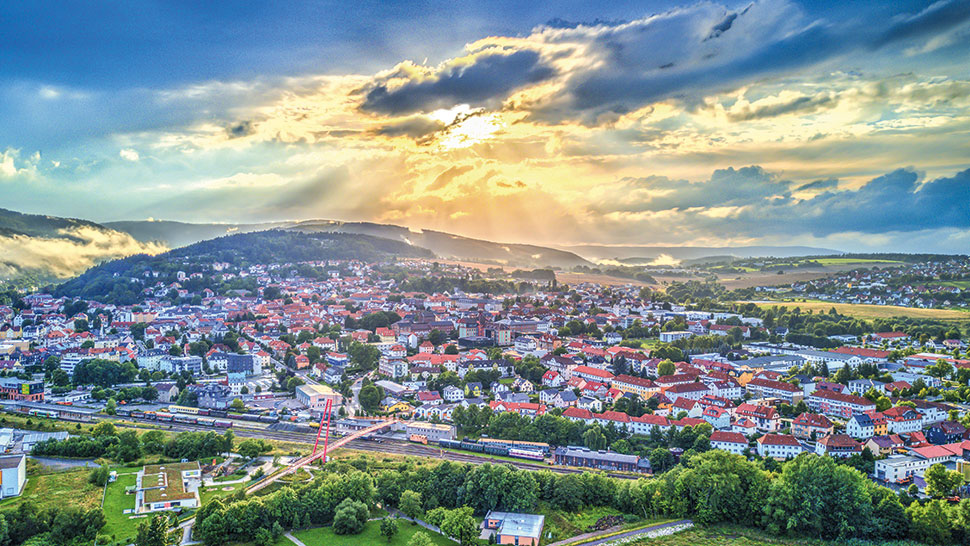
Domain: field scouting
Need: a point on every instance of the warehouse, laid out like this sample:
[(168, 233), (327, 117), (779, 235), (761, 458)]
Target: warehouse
[(432, 431), (603, 460)]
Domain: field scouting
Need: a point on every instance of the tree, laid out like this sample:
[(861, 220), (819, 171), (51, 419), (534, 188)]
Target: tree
[(941, 482), (349, 517), (370, 398), (99, 476), (461, 525), (666, 367), (420, 539), (930, 522), (410, 504), (814, 496), (594, 438), (237, 404), (110, 406), (104, 428), (252, 448), (264, 537), (388, 528), (661, 459), (437, 337), (153, 532)]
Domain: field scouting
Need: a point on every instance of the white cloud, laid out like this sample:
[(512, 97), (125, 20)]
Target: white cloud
[(129, 154)]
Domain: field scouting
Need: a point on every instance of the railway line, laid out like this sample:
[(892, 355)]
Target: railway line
[(382, 445)]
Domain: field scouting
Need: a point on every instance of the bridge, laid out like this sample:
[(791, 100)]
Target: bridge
[(316, 455)]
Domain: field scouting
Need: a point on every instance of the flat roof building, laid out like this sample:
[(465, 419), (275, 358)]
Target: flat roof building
[(315, 396), (513, 528)]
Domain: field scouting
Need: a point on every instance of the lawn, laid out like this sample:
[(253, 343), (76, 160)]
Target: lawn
[(728, 536), (220, 491), (67, 488), (324, 536), (118, 525)]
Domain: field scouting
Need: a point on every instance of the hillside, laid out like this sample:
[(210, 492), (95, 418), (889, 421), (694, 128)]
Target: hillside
[(177, 234), (447, 245), (444, 245), (42, 248), (122, 281)]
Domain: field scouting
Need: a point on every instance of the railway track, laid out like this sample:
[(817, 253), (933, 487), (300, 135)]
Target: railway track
[(396, 447)]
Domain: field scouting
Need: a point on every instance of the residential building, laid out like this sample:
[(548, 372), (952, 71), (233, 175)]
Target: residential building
[(779, 446)]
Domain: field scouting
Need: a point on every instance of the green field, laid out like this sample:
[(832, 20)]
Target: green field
[(324, 536), (846, 261), (67, 488), (118, 525), (870, 312), (962, 285)]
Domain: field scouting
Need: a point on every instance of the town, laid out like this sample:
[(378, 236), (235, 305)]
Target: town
[(616, 379)]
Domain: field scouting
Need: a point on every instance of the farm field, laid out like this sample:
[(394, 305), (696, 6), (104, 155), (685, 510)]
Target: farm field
[(854, 261), (324, 536), (870, 312)]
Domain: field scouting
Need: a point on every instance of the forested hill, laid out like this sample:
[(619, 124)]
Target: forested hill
[(123, 281)]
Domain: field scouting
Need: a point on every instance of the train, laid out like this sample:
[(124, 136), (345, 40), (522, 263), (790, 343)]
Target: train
[(181, 417), (534, 451)]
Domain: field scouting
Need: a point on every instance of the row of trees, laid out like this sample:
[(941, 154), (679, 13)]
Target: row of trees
[(127, 446)]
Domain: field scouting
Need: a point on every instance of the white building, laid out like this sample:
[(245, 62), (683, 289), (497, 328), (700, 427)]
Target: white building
[(13, 475)]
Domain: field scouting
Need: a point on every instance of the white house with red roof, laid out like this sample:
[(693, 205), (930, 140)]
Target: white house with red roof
[(692, 391), (779, 446), (732, 442), (718, 418), (552, 379), (590, 373)]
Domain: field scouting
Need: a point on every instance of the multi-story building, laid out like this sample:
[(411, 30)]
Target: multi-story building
[(841, 405), (808, 424), (767, 388)]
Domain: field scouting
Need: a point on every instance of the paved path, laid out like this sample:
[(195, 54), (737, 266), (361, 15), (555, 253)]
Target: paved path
[(426, 525), (593, 541), (293, 539)]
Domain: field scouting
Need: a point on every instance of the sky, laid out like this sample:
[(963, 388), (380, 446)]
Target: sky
[(840, 125)]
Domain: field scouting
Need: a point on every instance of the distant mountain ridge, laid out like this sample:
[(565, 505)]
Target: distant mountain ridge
[(444, 245), (634, 255), (45, 248)]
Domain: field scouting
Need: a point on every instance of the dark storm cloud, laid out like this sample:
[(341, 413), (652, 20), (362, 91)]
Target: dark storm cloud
[(759, 203), (690, 52), (489, 78)]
